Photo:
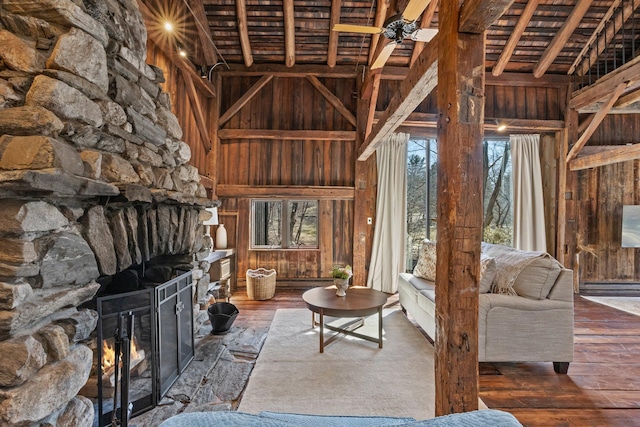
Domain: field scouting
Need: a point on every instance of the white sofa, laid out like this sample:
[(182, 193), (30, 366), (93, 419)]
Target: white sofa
[(530, 321)]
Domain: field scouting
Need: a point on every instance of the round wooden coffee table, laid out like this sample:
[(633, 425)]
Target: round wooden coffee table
[(359, 302)]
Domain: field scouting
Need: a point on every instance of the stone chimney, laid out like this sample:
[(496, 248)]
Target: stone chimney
[(94, 178)]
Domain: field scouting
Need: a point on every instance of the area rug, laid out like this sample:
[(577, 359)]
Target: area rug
[(351, 377), (628, 304)]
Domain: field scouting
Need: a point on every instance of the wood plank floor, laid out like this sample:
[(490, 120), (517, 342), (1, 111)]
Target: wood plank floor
[(602, 387)]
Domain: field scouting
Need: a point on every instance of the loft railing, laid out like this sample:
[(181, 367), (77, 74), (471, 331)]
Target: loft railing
[(614, 43)]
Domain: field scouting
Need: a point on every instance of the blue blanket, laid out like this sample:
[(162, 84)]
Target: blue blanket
[(481, 418)]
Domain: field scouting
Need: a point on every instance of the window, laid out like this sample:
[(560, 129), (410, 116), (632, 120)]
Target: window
[(286, 224), (422, 194)]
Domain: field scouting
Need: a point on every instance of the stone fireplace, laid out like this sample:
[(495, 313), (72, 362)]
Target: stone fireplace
[(94, 179)]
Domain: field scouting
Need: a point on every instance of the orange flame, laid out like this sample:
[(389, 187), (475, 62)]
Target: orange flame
[(109, 353)]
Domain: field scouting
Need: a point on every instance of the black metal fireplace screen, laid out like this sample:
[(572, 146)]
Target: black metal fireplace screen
[(145, 341)]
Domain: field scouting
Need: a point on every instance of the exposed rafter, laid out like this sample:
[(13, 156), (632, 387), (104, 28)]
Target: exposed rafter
[(243, 30), (382, 8), (332, 50), (514, 38), (478, 15), (283, 135), (557, 44), (289, 33)]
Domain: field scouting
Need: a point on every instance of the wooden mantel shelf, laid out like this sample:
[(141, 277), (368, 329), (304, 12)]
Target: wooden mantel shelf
[(315, 192)]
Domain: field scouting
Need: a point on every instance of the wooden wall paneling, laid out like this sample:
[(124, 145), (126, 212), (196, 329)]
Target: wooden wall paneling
[(531, 104), (489, 102), (550, 188), (509, 107), (499, 101), (325, 237), (520, 101), (243, 239), (625, 256), (553, 103), (636, 200), (541, 100)]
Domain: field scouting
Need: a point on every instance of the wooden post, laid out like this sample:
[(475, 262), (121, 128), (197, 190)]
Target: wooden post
[(364, 202), (459, 211)]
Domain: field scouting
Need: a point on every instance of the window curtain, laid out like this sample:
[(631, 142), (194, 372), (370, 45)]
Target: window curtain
[(528, 200), (388, 252)]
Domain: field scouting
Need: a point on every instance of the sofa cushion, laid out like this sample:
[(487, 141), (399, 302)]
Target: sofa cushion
[(426, 266), (524, 273), (488, 269), (537, 279)]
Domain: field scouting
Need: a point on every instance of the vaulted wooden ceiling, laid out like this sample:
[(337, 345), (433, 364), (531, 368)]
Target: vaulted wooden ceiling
[(537, 36)]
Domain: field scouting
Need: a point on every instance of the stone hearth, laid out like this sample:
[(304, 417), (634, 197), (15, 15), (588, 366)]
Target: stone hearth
[(94, 178)]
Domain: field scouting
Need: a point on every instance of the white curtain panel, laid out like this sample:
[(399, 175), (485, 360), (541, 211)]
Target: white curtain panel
[(528, 200), (388, 252)]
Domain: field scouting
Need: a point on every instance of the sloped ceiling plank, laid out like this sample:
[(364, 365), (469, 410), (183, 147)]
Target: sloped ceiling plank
[(201, 122), (333, 100), (184, 65), (557, 44), (477, 16), (200, 16), (243, 32), (518, 30), (595, 122), (244, 99)]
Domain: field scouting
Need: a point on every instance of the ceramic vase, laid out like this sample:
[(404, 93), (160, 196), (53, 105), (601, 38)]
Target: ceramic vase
[(221, 237), (341, 286)]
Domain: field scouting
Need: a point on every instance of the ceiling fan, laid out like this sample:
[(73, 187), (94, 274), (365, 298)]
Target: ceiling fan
[(396, 28)]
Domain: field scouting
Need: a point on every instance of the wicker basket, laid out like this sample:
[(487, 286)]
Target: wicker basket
[(261, 284)]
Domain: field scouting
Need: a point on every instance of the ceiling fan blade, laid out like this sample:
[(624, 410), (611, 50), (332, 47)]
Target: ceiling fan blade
[(348, 28), (385, 53), (414, 9), (424, 34)]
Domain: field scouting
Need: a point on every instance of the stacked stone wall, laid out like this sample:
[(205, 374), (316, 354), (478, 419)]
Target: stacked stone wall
[(94, 178)]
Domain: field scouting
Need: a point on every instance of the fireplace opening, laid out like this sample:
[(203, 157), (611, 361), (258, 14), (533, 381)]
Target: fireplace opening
[(144, 341)]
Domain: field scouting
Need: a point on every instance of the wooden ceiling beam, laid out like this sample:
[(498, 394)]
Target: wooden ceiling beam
[(332, 50), (514, 38), (373, 100), (244, 99), (198, 111), (595, 122), (200, 16), (274, 191), (562, 36), (333, 100), (592, 157), (425, 22), (288, 135), (421, 80), (289, 33), (299, 70), (184, 65), (243, 32), (476, 16), (430, 121)]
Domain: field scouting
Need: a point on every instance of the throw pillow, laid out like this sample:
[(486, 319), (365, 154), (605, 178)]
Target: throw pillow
[(426, 266), (488, 269)]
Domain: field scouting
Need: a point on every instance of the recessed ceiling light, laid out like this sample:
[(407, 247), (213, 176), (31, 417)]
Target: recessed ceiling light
[(168, 26), (182, 53)]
